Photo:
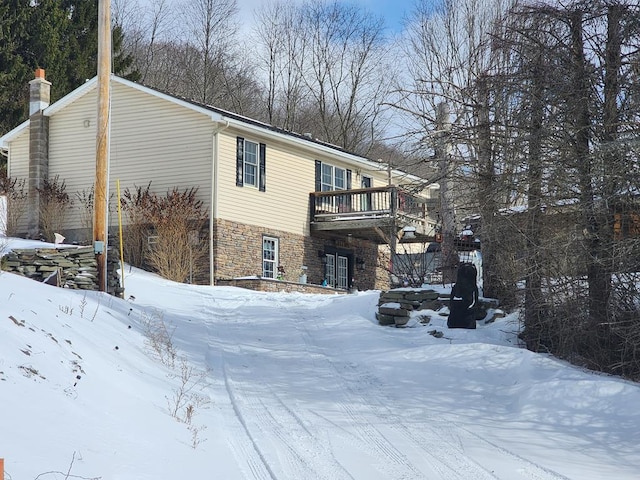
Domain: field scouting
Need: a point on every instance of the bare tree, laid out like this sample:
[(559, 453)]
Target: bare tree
[(147, 30), (210, 26), (283, 57), (568, 75), (449, 57), (326, 70), (346, 72)]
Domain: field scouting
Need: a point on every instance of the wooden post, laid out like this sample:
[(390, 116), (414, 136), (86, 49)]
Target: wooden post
[(1, 468), (102, 142)]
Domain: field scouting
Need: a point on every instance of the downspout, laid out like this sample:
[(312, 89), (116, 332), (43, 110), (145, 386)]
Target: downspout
[(214, 197)]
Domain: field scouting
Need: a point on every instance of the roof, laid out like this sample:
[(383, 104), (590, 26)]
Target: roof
[(217, 115)]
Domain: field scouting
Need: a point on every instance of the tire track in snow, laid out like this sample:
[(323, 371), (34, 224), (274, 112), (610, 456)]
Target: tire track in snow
[(449, 452), (259, 466), (242, 445), (389, 461), (276, 441), (279, 433), (447, 461), (529, 469)]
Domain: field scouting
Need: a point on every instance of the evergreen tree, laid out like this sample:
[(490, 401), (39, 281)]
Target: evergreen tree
[(47, 44), (82, 38), (122, 61), (14, 71), (60, 36)]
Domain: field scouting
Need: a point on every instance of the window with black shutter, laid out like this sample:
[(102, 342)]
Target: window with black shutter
[(251, 164)]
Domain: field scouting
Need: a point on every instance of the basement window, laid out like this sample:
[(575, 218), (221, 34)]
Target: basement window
[(270, 255)]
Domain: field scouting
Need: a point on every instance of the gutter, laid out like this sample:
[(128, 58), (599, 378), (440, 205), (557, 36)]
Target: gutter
[(213, 207)]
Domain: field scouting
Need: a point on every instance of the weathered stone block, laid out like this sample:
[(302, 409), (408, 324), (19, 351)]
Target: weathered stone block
[(385, 319), (394, 311)]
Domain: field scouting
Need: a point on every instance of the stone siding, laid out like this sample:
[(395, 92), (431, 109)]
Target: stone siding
[(238, 253)]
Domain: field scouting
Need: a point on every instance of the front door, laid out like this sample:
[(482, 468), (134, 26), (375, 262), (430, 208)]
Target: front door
[(337, 271)]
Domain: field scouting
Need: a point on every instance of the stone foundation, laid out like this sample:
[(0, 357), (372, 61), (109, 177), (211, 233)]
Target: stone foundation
[(238, 253), (269, 285)]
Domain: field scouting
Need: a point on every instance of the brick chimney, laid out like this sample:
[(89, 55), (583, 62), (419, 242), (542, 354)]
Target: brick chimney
[(39, 98)]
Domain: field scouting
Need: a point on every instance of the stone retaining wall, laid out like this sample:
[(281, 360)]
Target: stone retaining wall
[(68, 267), (395, 307)]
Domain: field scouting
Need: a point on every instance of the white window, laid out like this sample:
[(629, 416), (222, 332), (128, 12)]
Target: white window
[(269, 257), (250, 163), (333, 178)]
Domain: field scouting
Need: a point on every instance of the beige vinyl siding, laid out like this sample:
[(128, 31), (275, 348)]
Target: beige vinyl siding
[(284, 204), (171, 146), (19, 157), (290, 173), (19, 168)]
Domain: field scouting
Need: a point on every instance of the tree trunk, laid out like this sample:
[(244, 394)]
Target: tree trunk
[(447, 207), (533, 293), (598, 278)]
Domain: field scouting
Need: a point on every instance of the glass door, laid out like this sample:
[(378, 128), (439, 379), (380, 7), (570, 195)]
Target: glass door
[(330, 270), (342, 269), (337, 271)]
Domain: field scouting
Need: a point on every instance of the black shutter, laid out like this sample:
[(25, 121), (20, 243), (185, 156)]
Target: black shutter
[(348, 179), (239, 161), (262, 182), (318, 175)]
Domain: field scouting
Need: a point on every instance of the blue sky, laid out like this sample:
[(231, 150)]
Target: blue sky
[(392, 10)]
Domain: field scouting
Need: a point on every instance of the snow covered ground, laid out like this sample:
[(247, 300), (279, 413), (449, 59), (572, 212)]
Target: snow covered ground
[(195, 382)]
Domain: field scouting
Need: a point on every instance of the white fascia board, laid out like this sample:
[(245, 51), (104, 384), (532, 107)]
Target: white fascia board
[(307, 145), (89, 85), (11, 134), (50, 110)]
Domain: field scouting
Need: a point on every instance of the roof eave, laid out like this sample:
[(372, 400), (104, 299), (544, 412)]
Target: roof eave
[(11, 134)]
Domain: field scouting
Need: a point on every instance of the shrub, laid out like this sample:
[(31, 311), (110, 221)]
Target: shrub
[(174, 223), (86, 200), (179, 252), (15, 191), (54, 204), (136, 205)]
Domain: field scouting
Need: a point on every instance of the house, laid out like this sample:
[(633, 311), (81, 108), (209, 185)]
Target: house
[(275, 198)]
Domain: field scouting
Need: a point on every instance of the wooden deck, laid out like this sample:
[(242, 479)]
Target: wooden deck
[(374, 214)]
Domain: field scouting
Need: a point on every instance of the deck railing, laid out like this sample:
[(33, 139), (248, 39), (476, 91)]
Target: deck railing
[(380, 202)]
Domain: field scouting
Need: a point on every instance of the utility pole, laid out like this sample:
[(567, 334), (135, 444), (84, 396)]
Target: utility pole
[(102, 142)]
